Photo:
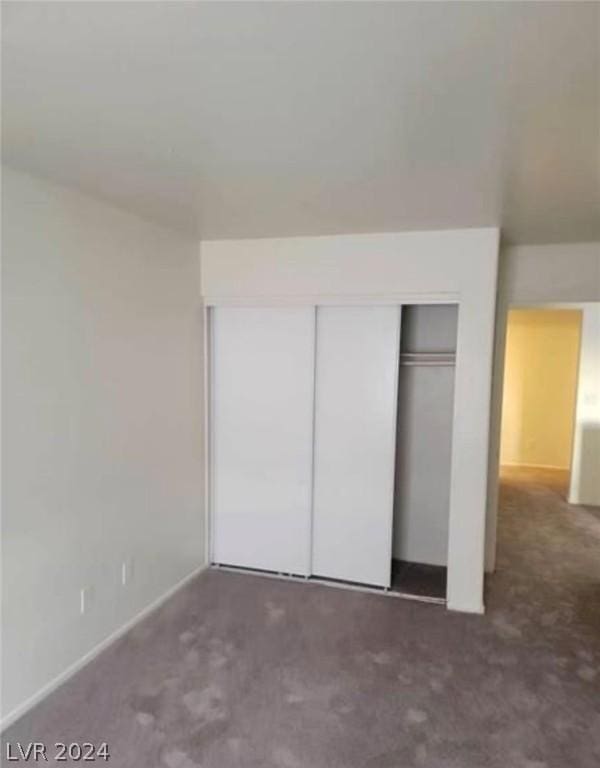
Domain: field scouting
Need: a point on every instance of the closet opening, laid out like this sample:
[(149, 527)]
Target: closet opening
[(423, 450)]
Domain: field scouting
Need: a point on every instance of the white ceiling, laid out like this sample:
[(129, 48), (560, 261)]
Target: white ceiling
[(271, 119)]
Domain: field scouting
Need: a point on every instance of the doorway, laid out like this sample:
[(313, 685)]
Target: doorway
[(331, 443), (539, 396), (549, 490), (423, 450)]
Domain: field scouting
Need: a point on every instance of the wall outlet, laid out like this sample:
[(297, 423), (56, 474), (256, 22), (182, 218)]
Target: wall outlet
[(86, 596), (126, 572)]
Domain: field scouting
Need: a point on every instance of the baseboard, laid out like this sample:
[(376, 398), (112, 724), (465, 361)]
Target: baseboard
[(47, 689), (576, 501), (478, 608), (534, 466)]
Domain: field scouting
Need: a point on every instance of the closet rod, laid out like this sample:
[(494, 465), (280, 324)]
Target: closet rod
[(428, 358), (427, 364)]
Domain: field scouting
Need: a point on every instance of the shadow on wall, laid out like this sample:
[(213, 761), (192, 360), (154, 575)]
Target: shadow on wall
[(587, 479)]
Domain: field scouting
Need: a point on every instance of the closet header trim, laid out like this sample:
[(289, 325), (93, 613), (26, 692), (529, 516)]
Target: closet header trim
[(378, 299)]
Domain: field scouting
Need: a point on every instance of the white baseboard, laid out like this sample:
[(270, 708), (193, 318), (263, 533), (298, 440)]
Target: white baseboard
[(47, 689), (477, 608)]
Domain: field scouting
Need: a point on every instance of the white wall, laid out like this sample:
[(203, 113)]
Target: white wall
[(537, 274), (424, 437), (585, 466), (529, 275), (102, 427), (423, 463), (413, 266)]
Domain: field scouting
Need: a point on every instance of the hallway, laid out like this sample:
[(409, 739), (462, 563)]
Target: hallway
[(548, 564)]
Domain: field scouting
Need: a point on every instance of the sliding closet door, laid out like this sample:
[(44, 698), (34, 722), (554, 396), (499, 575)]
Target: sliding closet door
[(355, 436), (262, 435)]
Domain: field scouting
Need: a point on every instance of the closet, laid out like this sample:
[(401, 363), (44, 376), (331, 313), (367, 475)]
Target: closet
[(329, 446), (423, 449), (355, 415), (262, 364)]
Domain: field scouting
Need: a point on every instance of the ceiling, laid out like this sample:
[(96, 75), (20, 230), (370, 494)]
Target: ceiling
[(275, 119)]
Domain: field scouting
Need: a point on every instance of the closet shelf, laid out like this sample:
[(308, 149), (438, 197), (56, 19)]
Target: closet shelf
[(428, 358)]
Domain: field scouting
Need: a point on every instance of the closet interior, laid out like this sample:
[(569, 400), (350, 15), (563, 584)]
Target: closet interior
[(330, 442), (423, 449)]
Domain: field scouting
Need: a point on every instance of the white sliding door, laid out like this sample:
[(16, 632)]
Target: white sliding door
[(355, 437), (262, 436)]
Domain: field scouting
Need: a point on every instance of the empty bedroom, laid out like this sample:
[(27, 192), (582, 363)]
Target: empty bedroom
[(300, 384)]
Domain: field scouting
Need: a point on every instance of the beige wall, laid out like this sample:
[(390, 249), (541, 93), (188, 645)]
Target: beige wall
[(540, 381)]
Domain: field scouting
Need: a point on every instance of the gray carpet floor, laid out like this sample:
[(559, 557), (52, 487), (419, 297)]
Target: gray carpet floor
[(240, 671)]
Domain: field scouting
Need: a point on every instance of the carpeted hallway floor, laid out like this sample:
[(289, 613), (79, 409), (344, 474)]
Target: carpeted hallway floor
[(246, 672)]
